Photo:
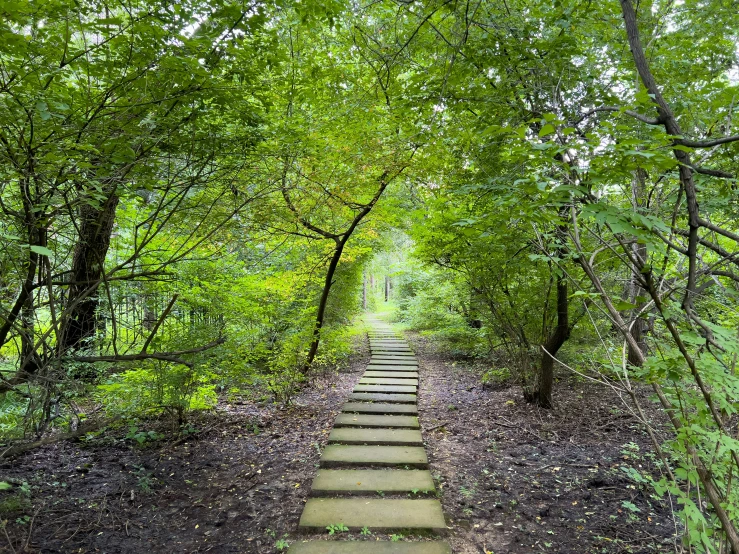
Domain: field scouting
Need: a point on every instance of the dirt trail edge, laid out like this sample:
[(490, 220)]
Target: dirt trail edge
[(374, 473)]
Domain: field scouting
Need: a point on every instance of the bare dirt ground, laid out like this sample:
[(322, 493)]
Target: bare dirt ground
[(239, 486), (519, 479), (513, 478)]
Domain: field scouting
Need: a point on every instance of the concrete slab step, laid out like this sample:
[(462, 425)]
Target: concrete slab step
[(393, 367), (379, 408), (380, 437), (370, 547), (382, 456), (391, 374), (377, 514), (354, 481), (401, 355), (387, 381), (380, 397), (383, 389), (387, 348), (393, 361), (370, 420)]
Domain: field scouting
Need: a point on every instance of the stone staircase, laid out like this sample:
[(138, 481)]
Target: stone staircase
[(374, 471)]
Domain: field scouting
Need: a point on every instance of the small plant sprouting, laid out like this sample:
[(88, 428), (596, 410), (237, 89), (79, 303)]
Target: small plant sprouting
[(282, 544), (396, 537), (141, 437), (338, 528), (365, 531), (381, 493)]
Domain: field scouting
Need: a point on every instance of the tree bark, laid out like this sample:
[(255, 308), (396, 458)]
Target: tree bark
[(639, 252), (88, 265), (323, 301), (543, 396), (387, 288), (364, 291)]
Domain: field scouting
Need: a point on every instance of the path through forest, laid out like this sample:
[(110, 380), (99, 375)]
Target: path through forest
[(511, 478), (384, 482)]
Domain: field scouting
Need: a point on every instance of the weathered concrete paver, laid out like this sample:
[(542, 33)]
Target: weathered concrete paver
[(388, 348), (379, 408), (379, 397), (371, 420), (392, 374), (361, 455), (373, 480), (393, 361), (387, 381), (380, 514), (393, 367), (349, 435), (384, 389), (370, 547)]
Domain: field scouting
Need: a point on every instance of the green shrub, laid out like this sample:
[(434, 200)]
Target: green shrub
[(158, 387)]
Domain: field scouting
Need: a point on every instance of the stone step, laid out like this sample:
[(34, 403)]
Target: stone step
[(389, 343), (379, 408), (393, 361), (378, 514), (370, 547), (394, 356), (394, 367), (367, 420), (380, 397), (370, 480), (388, 348), (392, 374), (385, 389), (387, 381), (381, 456), (380, 437)]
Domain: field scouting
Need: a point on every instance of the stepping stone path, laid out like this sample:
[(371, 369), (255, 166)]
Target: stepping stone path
[(374, 471)]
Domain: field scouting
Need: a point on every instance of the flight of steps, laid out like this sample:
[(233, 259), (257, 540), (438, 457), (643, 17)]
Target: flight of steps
[(374, 471)]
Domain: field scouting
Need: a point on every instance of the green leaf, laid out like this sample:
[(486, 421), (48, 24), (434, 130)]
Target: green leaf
[(4, 486), (41, 250), (548, 129), (622, 305)]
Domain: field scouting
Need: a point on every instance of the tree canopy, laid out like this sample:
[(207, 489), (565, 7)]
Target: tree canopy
[(195, 194)]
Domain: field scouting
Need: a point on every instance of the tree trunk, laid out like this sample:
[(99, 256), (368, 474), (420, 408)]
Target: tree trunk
[(88, 265), (320, 314), (639, 252), (364, 291), (543, 395), (387, 288)]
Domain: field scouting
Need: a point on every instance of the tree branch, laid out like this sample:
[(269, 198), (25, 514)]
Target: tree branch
[(636, 115)]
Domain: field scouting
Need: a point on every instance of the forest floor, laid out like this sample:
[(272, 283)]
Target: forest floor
[(513, 479)]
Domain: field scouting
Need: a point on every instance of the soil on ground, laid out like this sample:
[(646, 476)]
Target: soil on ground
[(513, 478)]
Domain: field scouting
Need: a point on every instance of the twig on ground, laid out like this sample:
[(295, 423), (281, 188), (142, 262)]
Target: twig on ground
[(435, 427)]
